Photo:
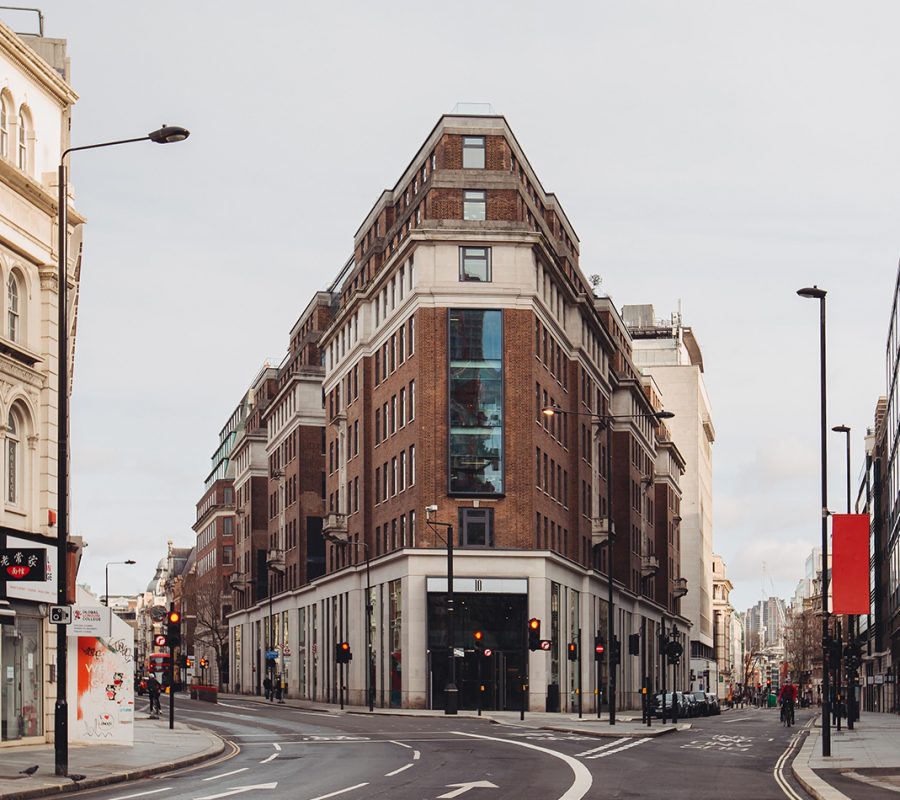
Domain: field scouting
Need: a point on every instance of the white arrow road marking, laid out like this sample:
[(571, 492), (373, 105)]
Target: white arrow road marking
[(398, 771), (583, 778), (416, 755), (464, 787), (270, 758), (332, 794), (635, 743), (143, 794), (604, 747), (226, 774), (238, 790), (276, 745)]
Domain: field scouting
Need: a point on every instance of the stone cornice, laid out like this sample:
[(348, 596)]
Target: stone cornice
[(29, 61), (39, 195)]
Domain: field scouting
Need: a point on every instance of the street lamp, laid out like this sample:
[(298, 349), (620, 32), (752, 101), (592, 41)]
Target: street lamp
[(451, 693), (815, 293), (106, 595), (851, 618), (370, 686), (605, 421), (165, 135)]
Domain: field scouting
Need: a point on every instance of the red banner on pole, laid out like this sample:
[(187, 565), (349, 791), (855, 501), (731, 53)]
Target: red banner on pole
[(850, 563)]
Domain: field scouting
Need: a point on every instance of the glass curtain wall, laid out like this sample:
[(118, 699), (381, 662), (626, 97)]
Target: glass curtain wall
[(476, 401)]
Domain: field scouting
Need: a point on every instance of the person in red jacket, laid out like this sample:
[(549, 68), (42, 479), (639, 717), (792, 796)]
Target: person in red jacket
[(787, 697)]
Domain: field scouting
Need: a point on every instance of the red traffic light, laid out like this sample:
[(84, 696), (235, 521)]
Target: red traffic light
[(478, 636), (534, 624), (159, 640), (174, 617), (345, 646)]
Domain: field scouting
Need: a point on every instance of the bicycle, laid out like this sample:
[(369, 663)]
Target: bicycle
[(787, 714)]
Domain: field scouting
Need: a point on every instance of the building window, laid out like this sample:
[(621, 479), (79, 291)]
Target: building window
[(12, 305), (475, 264), (4, 129), (22, 161), (474, 204), (476, 401), (476, 527), (473, 152), (12, 458)]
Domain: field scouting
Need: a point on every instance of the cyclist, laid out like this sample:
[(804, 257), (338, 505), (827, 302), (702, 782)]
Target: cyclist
[(787, 697)]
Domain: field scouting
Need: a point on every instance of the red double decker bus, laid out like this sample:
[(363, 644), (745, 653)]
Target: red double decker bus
[(158, 664)]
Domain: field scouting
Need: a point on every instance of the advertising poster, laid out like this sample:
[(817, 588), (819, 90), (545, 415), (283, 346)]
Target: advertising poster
[(102, 710)]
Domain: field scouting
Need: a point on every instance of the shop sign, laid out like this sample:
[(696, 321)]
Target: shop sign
[(23, 564), (39, 590)]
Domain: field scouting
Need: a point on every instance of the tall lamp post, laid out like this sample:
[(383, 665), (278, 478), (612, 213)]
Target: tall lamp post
[(451, 692), (370, 686), (165, 135), (604, 421), (851, 619), (106, 595), (815, 293)]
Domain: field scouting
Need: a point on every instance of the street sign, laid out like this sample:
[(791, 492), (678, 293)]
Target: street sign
[(285, 651), (271, 654), (60, 615), (459, 652), (18, 564)]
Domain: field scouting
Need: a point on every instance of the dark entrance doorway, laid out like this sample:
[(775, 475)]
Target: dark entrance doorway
[(501, 618)]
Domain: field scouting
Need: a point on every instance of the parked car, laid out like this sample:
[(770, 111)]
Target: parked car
[(700, 698), (678, 698), (713, 702)]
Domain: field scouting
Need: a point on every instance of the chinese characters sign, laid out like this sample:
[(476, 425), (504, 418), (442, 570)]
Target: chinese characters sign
[(23, 564)]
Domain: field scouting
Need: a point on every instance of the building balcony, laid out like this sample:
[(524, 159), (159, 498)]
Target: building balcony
[(340, 418), (599, 530), (681, 588), (335, 527), (649, 566)]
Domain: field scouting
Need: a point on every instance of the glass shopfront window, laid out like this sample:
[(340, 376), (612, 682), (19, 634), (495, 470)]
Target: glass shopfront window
[(476, 401), (395, 622), (21, 669)]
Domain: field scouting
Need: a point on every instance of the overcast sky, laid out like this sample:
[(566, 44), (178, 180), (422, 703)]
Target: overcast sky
[(717, 154)]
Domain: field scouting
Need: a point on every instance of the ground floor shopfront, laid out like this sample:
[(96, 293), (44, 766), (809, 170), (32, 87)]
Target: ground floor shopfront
[(406, 631)]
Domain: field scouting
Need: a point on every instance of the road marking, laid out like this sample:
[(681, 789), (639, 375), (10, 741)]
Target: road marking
[(400, 744), (142, 794), (583, 778), (238, 790), (334, 794), (416, 755), (276, 745), (779, 766), (226, 774), (635, 743), (270, 758), (739, 719), (398, 771), (464, 787), (604, 747)]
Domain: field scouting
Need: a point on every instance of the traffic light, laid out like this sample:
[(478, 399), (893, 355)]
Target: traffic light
[(342, 653), (616, 651), (204, 663), (189, 662), (573, 651), (634, 644), (479, 642), (173, 629), (534, 634), (599, 648)]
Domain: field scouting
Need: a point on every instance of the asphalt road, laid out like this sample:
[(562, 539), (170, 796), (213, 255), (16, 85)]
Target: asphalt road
[(282, 752)]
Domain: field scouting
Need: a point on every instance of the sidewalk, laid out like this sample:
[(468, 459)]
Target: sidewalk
[(864, 762), (627, 723), (156, 749)]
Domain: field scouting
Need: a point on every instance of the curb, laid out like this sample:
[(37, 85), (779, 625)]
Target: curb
[(120, 777), (817, 787)]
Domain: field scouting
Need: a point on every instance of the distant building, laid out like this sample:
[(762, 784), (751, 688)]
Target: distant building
[(669, 352), (723, 633)]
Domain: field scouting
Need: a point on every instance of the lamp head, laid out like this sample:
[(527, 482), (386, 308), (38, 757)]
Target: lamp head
[(813, 292), (550, 411), (429, 510), (168, 134), (841, 429), (664, 414), (130, 561)]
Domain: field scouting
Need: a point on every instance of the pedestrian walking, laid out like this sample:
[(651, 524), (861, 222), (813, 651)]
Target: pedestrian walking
[(153, 690), (267, 686)]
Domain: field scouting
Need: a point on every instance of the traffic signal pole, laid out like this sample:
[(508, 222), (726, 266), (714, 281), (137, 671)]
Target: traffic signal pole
[(580, 692), (171, 677)]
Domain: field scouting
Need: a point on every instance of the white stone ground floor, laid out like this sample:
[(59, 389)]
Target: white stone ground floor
[(496, 593)]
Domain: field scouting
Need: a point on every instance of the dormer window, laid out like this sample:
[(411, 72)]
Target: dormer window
[(473, 152)]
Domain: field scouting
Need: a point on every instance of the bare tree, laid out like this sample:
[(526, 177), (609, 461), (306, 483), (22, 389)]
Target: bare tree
[(800, 642), (211, 626), (751, 660)]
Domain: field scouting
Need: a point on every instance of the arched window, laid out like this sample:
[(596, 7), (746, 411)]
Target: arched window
[(4, 129), (12, 306), (22, 161), (12, 458)]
